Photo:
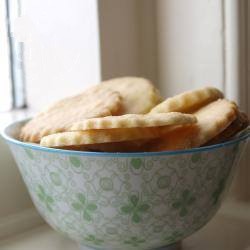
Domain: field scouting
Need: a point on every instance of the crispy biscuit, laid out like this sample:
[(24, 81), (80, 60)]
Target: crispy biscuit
[(139, 95), (188, 101), (95, 136), (175, 139), (133, 120), (94, 102), (100, 136), (212, 120), (240, 123), (123, 146)]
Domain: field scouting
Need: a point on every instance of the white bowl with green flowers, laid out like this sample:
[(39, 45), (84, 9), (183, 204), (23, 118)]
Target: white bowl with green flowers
[(126, 200)]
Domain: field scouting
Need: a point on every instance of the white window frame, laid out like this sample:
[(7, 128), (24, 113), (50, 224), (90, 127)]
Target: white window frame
[(12, 77), (5, 82)]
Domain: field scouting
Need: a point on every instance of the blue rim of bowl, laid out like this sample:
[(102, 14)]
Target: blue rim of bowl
[(242, 137)]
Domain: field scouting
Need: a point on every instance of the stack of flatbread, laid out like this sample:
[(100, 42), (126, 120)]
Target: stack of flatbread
[(128, 115)]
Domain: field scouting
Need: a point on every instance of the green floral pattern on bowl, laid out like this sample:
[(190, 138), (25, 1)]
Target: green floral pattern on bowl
[(127, 201)]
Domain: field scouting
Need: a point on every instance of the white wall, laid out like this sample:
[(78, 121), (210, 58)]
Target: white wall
[(190, 44), (119, 27), (13, 194), (128, 38), (17, 212)]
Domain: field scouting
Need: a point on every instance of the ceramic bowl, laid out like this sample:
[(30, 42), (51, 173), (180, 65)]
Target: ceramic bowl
[(126, 200)]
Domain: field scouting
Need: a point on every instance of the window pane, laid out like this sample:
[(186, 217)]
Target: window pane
[(61, 48)]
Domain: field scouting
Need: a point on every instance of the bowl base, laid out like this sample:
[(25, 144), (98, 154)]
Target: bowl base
[(175, 246)]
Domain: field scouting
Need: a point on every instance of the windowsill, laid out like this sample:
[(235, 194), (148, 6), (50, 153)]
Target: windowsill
[(14, 115), (228, 230)]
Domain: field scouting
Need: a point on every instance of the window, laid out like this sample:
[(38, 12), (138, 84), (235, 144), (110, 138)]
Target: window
[(52, 53)]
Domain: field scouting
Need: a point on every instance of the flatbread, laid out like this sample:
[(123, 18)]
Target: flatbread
[(59, 117), (188, 101)]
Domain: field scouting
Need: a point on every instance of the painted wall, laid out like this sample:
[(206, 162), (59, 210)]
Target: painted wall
[(128, 38), (13, 194), (190, 44)]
